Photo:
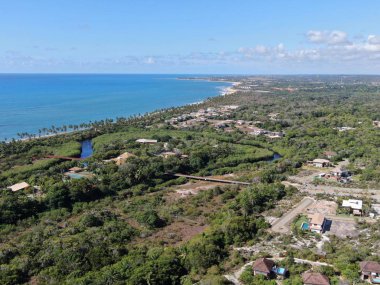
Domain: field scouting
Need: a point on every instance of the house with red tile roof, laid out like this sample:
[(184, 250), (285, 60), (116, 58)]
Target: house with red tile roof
[(315, 278)]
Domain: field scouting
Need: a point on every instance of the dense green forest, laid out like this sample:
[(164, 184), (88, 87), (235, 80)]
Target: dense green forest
[(116, 227)]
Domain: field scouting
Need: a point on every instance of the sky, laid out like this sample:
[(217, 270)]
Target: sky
[(190, 37)]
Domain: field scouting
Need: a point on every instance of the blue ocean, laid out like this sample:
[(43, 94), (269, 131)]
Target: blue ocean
[(32, 102)]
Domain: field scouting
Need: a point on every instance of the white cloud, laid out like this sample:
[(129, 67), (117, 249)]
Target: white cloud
[(261, 49), (150, 60), (334, 50), (327, 37), (334, 47), (373, 39)]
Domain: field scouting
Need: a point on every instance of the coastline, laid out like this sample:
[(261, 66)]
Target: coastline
[(231, 89), (223, 92)]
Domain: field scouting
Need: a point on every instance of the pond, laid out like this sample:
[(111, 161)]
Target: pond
[(86, 149), (275, 157)]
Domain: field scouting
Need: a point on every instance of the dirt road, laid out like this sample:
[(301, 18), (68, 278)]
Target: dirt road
[(282, 225), (337, 191)]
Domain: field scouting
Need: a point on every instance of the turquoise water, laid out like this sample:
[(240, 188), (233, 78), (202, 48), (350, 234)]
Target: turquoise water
[(32, 102), (75, 176), (305, 226), (280, 271)]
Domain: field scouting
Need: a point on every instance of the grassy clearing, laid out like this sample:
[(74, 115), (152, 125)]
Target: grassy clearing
[(300, 220), (68, 149)]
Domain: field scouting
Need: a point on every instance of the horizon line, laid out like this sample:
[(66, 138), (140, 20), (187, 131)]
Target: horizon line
[(206, 74)]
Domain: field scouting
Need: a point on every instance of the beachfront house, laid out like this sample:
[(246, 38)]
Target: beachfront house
[(19, 186), (370, 271), (317, 223), (356, 206), (263, 266), (320, 162), (146, 141), (314, 278)]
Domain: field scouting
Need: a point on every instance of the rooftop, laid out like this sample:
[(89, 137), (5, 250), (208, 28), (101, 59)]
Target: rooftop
[(321, 160), (146, 141), (75, 169), (317, 218), (125, 155), (370, 266), (315, 278), (353, 204), (263, 265), (19, 186)]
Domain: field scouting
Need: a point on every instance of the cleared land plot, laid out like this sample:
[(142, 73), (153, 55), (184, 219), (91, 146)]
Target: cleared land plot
[(341, 228), (178, 232), (282, 225), (193, 188), (323, 207)]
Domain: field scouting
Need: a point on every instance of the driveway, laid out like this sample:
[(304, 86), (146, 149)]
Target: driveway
[(282, 225)]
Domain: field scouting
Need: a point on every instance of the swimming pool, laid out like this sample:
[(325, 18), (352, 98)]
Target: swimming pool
[(281, 270), (305, 226), (75, 176)]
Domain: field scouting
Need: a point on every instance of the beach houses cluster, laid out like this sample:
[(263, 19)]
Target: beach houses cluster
[(248, 127), (210, 116), (202, 115)]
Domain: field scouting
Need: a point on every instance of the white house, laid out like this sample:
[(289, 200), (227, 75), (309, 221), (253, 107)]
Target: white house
[(320, 162), (355, 205)]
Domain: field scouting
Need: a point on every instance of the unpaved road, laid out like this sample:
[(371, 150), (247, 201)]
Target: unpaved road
[(282, 224), (234, 278), (337, 191)]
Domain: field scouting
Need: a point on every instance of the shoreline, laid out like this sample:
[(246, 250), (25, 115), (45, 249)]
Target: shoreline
[(223, 92)]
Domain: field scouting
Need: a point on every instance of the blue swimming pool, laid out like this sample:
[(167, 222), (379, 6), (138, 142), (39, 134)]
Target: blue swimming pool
[(75, 176), (305, 226)]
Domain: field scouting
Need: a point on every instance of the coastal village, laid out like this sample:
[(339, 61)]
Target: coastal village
[(211, 117), (330, 203)]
